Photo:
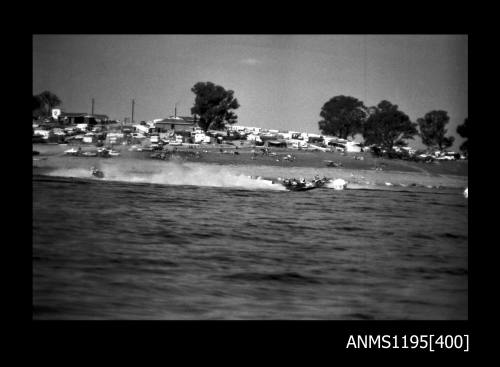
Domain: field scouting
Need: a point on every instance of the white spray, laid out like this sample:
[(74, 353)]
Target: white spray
[(170, 173)]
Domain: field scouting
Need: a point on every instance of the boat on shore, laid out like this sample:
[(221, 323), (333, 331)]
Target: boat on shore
[(72, 151), (107, 153)]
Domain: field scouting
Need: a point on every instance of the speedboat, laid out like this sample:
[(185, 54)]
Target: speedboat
[(320, 182), (300, 188), (299, 185), (96, 172)]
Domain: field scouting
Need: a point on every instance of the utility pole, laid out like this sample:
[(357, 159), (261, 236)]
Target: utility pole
[(92, 106), (364, 68), (175, 109), (133, 102)]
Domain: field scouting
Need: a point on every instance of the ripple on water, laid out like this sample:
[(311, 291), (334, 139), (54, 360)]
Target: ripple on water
[(136, 250)]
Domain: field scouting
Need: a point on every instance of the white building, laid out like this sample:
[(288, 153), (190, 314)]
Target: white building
[(237, 128), (298, 143), (254, 137), (352, 147), (200, 137), (142, 128), (82, 126), (88, 138)]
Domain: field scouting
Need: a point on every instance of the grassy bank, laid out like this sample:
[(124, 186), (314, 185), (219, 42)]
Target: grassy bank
[(225, 155)]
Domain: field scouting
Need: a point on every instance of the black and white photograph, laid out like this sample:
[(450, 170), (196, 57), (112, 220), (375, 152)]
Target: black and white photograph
[(250, 177)]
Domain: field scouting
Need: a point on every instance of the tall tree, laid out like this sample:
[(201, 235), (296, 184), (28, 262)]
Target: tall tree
[(463, 131), (342, 116), (385, 106), (432, 130), (36, 105), (47, 101), (213, 104), (387, 125)]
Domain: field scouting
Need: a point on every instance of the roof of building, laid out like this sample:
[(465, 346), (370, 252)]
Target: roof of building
[(79, 114), (175, 120), (188, 118)]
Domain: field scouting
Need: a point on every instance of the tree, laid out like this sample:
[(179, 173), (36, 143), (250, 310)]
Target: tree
[(385, 106), (401, 143), (463, 131), (213, 104), (36, 105), (432, 130), (387, 125), (342, 116), (44, 102)]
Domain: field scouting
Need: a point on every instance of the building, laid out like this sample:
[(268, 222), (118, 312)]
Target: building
[(353, 147), (144, 129), (72, 118), (175, 124)]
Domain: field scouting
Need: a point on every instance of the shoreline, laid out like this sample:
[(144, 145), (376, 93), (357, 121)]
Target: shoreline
[(307, 164)]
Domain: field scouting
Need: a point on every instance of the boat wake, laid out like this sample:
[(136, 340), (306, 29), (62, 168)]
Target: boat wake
[(171, 173), (244, 177)]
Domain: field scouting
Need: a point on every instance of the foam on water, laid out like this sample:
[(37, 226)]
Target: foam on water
[(240, 176), (70, 172), (211, 175), (171, 173)]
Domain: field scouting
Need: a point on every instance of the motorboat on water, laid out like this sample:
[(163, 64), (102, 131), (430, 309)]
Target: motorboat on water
[(96, 172), (320, 182), (302, 185)]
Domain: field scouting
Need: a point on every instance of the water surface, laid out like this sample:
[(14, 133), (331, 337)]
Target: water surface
[(139, 250)]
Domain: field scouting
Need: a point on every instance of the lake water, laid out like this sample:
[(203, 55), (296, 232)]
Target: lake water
[(222, 247)]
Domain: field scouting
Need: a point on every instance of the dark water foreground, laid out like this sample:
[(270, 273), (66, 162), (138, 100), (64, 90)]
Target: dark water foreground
[(121, 250)]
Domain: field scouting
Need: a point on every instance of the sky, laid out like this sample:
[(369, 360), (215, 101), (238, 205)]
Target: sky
[(280, 81)]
